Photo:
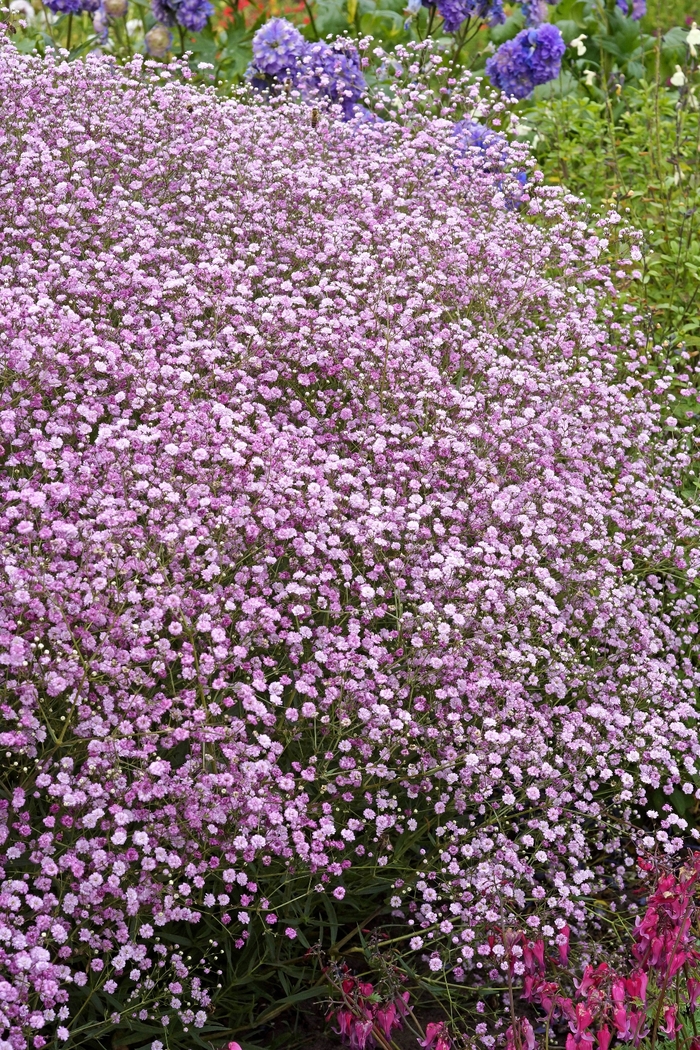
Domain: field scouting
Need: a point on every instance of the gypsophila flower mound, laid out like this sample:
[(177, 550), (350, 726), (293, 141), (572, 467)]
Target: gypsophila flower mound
[(333, 547)]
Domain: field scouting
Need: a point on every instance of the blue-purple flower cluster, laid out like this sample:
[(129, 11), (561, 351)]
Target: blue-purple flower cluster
[(472, 134), (472, 138), (317, 70), (72, 7), (455, 12), (190, 14), (636, 9), (533, 57), (277, 48), (535, 11)]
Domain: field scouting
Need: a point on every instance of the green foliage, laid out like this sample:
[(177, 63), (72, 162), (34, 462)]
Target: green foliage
[(637, 148), (611, 46), (664, 14)]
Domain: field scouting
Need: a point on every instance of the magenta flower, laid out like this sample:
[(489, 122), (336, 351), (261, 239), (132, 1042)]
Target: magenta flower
[(436, 1037), (693, 989)]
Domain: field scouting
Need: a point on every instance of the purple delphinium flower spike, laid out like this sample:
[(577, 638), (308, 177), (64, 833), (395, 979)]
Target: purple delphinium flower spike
[(318, 71), (509, 69), (165, 11), (533, 57), (100, 25), (190, 14), (535, 11), (332, 72), (193, 14), (72, 7), (277, 48), (547, 49), (638, 8), (456, 12)]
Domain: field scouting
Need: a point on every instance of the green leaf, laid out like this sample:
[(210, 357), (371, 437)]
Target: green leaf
[(81, 49), (26, 45), (332, 918), (290, 1000), (675, 39), (622, 44), (575, 10), (399, 6), (635, 70), (569, 29), (510, 28), (387, 25), (332, 17), (565, 84)]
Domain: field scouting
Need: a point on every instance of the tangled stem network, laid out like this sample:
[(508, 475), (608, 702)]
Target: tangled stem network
[(338, 558)]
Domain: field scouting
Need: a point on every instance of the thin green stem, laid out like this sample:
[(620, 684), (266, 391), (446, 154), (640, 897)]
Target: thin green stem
[(310, 13), (48, 25), (429, 29), (128, 42)]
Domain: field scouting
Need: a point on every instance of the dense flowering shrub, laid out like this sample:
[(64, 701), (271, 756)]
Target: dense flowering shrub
[(340, 567)]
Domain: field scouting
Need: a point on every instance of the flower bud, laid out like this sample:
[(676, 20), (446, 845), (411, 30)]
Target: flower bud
[(116, 8), (159, 41)]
